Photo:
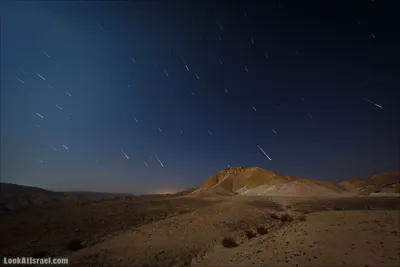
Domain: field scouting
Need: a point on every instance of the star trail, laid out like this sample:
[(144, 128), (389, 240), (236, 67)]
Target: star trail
[(137, 96)]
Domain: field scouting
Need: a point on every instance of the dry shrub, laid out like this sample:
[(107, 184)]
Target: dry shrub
[(74, 245), (274, 216), (250, 234), (302, 218), (229, 242), (286, 217), (262, 230)]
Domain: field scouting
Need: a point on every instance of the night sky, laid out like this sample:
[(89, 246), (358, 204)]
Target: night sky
[(155, 96)]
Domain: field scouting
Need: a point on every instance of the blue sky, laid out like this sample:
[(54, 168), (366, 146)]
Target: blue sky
[(313, 85)]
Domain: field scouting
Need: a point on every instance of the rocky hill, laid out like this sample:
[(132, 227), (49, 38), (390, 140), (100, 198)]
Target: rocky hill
[(257, 181)]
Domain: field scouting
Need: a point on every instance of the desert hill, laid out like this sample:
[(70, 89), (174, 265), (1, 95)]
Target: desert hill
[(257, 181), (379, 183), (16, 197)]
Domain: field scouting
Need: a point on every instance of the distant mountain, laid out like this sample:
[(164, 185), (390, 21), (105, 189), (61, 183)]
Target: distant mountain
[(257, 181), (94, 196), (16, 197)]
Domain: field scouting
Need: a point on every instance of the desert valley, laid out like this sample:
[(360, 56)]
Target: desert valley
[(242, 216)]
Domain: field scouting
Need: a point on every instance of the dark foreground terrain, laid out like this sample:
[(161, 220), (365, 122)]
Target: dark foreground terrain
[(210, 231)]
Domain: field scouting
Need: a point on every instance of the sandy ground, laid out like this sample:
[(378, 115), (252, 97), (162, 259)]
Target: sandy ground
[(49, 229), (333, 238), (189, 231), (176, 241), (195, 238)]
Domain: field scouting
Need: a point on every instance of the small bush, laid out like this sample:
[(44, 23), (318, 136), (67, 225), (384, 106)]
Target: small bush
[(229, 242), (286, 218), (39, 254), (250, 234), (262, 230), (74, 245), (274, 216), (302, 218)]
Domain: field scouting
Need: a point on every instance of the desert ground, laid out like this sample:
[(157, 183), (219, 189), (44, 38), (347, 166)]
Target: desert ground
[(212, 227), (212, 231)]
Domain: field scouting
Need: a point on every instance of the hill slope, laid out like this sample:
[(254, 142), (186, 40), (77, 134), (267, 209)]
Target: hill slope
[(257, 181), (379, 183)]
